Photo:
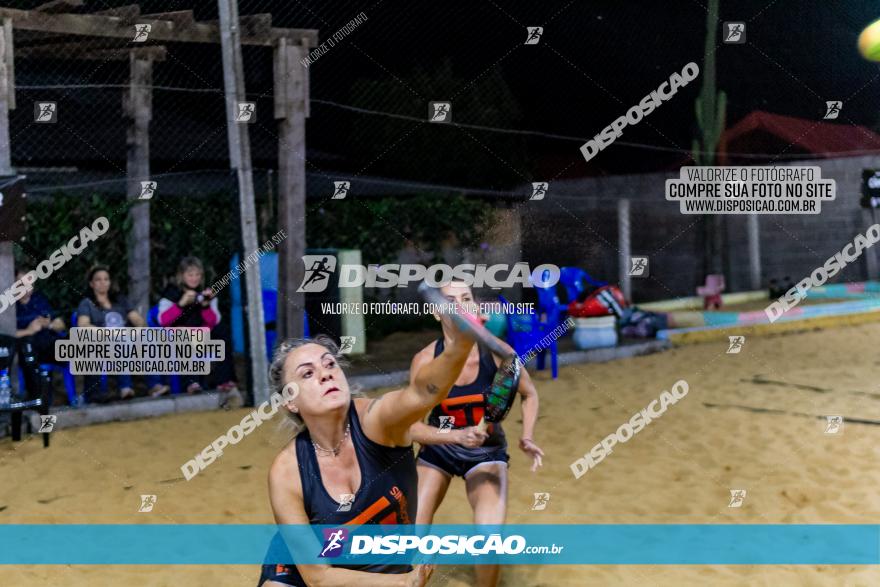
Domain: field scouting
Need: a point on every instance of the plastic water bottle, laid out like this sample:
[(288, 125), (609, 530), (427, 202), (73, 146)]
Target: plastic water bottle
[(5, 388)]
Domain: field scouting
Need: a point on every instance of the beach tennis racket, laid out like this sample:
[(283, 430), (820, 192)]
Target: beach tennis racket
[(498, 399)]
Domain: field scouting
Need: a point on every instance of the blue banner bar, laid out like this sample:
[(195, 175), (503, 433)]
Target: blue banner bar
[(520, 544)]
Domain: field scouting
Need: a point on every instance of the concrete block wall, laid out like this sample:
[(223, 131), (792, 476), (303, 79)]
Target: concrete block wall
[(576, 224)]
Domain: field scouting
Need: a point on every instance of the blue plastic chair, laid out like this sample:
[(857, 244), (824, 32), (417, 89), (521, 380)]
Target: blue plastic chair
[(269, 284), (173, 380), (524, 334), (548, 301), (575, 281)]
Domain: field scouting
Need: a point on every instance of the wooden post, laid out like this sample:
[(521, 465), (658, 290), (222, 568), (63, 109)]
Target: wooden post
[(291, 100), (240, 161), (754, 231), (623, 247), (7, 89), (138, 108)]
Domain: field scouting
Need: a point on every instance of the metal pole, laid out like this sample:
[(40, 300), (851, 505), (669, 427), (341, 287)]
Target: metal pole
[(754, 232), (623, 246), (871, 255), (7, 264), (240, 161)]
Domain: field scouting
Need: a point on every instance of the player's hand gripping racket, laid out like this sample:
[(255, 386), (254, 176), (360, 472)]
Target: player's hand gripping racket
[(498, 399)]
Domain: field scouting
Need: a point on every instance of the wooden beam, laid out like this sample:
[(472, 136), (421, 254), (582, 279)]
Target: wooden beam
[(138, 108), (127, 13), (291, 99), (96, 25), (59, 6), (83, 52), (182, 18), (252, 25)]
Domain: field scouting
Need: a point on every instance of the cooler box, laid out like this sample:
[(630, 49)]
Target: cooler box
[(595, 333)]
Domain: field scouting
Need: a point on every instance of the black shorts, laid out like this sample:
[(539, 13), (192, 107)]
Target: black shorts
[(285, 574), (454, 459), (289, 575)]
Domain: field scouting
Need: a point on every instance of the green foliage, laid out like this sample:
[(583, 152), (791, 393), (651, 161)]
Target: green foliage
[(381, 227), (209, 228), (206, 227), (52, 222)]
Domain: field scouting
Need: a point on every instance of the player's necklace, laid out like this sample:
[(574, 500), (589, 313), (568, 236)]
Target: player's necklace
[(332, 451)]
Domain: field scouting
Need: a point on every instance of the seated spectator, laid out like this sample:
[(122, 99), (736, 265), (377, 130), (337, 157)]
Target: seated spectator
[(187, 303), (103, 306), (37, 322)]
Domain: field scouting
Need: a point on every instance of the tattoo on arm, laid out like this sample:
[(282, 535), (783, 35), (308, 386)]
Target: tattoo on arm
[(372, 403), (432, 389)]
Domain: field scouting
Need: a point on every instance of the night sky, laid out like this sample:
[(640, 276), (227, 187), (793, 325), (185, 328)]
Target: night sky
[(594, 61)]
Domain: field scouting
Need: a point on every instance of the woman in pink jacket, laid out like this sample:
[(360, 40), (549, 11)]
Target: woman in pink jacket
[(187, 303)]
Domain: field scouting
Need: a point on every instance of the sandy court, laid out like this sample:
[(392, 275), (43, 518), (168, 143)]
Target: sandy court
[(677, 470)]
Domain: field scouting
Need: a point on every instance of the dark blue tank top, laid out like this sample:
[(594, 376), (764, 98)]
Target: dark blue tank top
[(389, 483), (466, 403), (388, 492)]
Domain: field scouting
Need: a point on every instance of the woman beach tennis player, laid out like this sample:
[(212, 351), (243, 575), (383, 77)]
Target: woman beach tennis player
[(352, 460), (453, 444)]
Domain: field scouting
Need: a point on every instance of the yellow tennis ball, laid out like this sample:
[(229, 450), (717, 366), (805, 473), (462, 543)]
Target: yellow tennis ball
[(869, 42)]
